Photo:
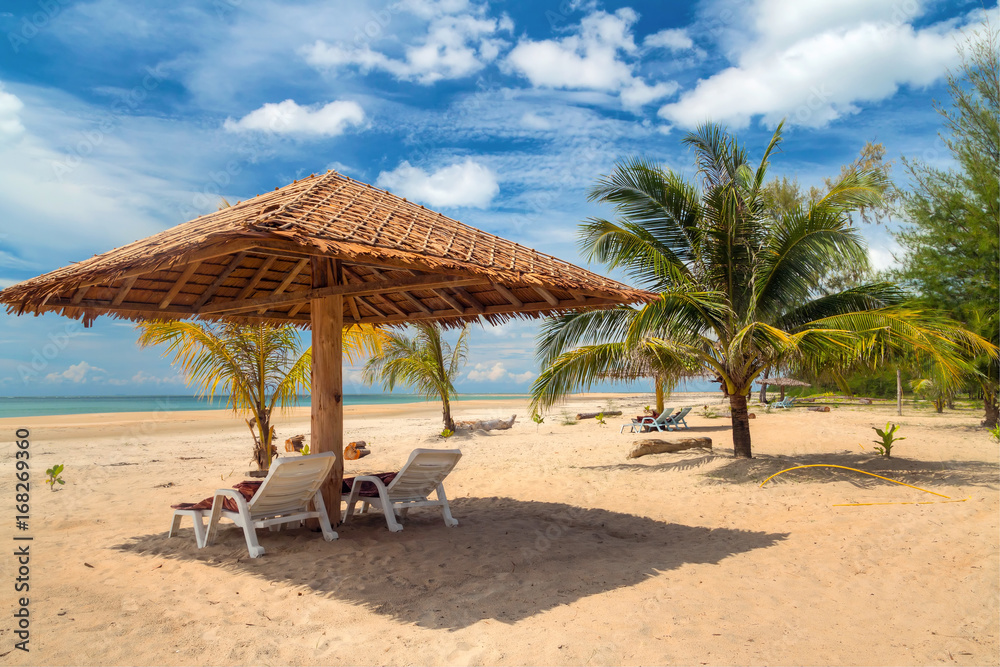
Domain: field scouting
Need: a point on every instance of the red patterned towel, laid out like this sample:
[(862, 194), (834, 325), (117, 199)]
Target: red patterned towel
[(368, 488), (246, 488)]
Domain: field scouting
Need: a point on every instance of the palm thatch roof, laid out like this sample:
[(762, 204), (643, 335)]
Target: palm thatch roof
[(265, 259)]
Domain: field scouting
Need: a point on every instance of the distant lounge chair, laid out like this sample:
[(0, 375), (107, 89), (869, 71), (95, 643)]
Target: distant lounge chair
[(645, 424), (283, 497), (677, 420), (423, 474), (786, 403)]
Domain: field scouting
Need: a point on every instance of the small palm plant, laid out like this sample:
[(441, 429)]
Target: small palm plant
[(260, 366), (424, 362), (884, 446)]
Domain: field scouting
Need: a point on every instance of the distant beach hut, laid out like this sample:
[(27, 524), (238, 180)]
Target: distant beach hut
[(324, 252), (782, 383)]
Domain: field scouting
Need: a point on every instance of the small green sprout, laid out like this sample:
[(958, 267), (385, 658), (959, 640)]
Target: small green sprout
[(54, 476), (600, 419), (447, 433), (538, 419)]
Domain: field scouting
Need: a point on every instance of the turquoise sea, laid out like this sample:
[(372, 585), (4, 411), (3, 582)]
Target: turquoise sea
[(80, 405)]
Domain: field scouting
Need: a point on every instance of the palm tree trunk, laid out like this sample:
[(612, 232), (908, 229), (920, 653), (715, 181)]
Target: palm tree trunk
[(659, 395), (992, 409), (266, 438), (449, 424), (741, 426), (899, 392), (763, 386)]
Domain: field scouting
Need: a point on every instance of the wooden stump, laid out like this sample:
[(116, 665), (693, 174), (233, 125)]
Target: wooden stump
[(655, 446), (591, 415)]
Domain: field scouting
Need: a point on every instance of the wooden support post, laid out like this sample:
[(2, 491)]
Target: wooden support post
[(327, 434)]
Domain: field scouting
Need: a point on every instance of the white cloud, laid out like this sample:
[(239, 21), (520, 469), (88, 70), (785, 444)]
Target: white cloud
[(289, 118), (77, 373), (496, 373), (10, 119), (674, 39), (813, 63), (142, 377), (590, 59), (462, 184), (460, 41)]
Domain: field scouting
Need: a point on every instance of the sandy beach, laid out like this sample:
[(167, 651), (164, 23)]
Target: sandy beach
[(567, 552)]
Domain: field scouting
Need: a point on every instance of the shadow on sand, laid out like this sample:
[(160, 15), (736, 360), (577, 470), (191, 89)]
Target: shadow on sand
[(910, 471), (508, 560), (759, 468)]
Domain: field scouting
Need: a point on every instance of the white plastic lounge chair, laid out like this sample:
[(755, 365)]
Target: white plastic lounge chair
[(423, 473), (647, 424), (786, 403), (291, 485), (677, 420)]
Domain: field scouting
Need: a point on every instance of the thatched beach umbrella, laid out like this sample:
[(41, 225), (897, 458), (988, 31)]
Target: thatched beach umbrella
[(783, 382), (323, 252)]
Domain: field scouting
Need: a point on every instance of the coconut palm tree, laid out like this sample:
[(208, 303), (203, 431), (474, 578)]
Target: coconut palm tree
[(424, 362), (739, 282), (259, 366)]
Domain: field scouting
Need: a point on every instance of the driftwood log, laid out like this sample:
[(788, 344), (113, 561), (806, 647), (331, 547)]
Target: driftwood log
[(294, 443), (819, 408), (591, 415), (643, 447), (485, 424)]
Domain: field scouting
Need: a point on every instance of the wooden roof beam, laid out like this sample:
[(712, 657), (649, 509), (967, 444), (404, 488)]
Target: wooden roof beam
[(451, 301), (473, 301), (370, 306), (545, 294), (374, 287), (296, 270), (507, 294), (179, 285), (292, 275), (80, 293), (255, 279), (122, 291), (406, 295), (416, 302), (569, 304), (354, 308), (350, 274), (219, 279), (93, 304), (205, 254)]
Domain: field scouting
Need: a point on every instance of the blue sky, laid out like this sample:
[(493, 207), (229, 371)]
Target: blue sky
[(119, 119)]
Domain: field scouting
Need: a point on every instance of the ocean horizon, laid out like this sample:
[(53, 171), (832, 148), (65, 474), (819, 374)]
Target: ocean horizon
[(45, 406)]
